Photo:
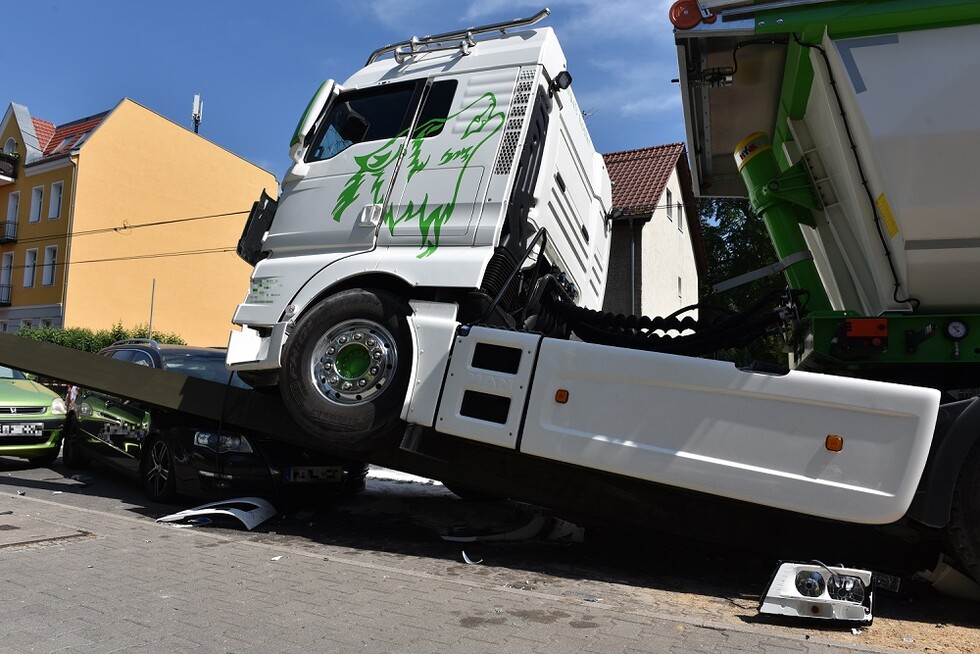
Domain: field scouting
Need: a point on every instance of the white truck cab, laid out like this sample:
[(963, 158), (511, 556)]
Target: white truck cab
[(458, 171)]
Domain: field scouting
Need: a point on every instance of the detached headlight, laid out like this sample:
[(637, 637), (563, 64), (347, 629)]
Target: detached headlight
[(58, 406), (222, 442)]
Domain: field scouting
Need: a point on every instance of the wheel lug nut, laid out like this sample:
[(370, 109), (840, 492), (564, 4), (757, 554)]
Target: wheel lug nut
[(331, 350), (342, 340), (373, 370), (358, 336), (377, 355), (347, 386), (362, 383), (334, 380), (371, 342)]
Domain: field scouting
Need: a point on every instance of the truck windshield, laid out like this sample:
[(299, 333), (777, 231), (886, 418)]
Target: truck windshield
[(378, 114)]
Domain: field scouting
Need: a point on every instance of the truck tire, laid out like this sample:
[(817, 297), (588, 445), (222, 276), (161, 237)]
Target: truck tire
[(963, 530), (345, 369)]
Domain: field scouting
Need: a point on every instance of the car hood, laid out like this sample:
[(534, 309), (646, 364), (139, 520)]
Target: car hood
[(23, 392)]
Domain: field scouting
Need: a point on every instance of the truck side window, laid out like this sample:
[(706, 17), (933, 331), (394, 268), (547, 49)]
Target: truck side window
[(379, 114), (359, 116), (434, 112)]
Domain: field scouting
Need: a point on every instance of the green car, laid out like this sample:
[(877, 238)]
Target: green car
[(31, 418)]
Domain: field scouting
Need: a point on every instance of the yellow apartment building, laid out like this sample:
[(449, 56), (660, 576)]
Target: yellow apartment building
[(107, 218)]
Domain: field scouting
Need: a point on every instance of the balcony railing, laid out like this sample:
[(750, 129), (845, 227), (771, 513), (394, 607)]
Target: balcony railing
[(8, 231), (8, 167), (5, 295)]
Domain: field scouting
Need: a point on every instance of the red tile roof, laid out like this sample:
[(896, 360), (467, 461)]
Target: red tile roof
[(44, 131), (65, 137), (639, 176)]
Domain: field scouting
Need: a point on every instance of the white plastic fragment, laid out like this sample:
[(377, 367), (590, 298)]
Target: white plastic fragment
[(469, 560), (276, 558), (250, 511)]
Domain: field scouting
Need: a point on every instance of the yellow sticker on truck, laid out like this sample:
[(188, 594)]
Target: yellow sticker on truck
[(886, 215)]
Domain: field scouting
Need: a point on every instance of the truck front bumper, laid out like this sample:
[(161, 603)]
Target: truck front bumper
[(250, 349)]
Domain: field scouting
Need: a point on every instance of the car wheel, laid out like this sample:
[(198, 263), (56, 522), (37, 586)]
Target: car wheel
[(71, 452), (345, 369), (157, 471), (354, 478), (47, 458)]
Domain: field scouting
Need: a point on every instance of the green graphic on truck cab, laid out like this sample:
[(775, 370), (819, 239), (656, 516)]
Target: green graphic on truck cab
[(374, 165)]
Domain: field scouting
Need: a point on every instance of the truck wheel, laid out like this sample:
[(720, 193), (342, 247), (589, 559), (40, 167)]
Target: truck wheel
[(346, 366), (964, 522)]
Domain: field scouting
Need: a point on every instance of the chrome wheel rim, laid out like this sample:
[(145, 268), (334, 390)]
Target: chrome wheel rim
[(353, 362)]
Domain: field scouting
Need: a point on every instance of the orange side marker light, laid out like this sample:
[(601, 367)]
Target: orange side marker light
[(561, 396), (834, 443)]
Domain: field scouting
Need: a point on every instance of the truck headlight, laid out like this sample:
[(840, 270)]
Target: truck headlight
[(58, 406), (222, 442)]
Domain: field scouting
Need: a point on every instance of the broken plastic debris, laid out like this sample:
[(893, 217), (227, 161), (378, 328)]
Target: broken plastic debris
[(250, 511), (950, 581), (276, 558), (855, 631), (20, 492), (908, 639), (57, 493), (537, 525), (469, 560)]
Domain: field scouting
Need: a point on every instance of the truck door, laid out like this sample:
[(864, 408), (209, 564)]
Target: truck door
[(438, 190), (332, 200)]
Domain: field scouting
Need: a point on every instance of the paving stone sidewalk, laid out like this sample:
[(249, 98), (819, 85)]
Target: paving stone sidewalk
[(107, 582)]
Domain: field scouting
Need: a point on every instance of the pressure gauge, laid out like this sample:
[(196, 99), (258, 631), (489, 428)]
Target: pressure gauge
[(956, 330)]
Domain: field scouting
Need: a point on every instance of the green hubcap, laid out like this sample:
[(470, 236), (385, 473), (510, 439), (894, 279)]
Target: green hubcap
[(353, 361)]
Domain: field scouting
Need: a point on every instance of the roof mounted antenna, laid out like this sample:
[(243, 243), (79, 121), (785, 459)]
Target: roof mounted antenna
[(435, 42), (197, 112)]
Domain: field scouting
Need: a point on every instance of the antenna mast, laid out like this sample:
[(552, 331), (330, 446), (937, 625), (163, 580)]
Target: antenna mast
[(197, 112)]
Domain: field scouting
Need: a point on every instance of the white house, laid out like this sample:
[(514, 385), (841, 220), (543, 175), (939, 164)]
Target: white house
[(657, 248)]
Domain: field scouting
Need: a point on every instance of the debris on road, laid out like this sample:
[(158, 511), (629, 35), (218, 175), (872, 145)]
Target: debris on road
[(538, 525), (815, 590), (469, 560), (250, 511)]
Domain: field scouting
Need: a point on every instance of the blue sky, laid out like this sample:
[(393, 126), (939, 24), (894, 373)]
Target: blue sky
[(257, 63)]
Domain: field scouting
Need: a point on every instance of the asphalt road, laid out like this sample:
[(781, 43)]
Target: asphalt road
[(85, 567)]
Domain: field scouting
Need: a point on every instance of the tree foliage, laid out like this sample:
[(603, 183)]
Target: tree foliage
[(736, 242), (88, 340)]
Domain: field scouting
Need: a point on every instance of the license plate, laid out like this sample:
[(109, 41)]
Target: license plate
[(316, 474), (22, 429)]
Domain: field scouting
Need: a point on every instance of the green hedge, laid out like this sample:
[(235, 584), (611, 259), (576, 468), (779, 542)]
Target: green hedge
[(93, 341)]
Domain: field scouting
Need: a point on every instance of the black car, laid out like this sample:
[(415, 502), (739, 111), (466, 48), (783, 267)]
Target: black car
[(173, 453)]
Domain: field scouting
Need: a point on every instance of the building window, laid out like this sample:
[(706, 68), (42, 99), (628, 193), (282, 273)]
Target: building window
[(37, 196), (13, 207), (670, 206), (54, 204), (3, 326), (50, 260), (680, 217), (46, 323), (30, 262), (10, 146)]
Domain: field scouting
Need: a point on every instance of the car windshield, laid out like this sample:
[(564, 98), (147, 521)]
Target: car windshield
[(10, 373), (205, 365)]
